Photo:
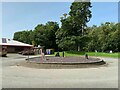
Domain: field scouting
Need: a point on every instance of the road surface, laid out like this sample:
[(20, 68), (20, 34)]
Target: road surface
[(15, 76)]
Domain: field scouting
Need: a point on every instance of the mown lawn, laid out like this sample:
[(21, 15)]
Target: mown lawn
[(101, 54)]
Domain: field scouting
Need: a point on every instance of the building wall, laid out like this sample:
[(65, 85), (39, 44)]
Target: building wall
[(10, 49), (16, 49)]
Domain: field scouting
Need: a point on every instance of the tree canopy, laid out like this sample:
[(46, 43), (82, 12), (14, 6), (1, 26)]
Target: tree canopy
[(43, 35), (74, 34), (72, 31)]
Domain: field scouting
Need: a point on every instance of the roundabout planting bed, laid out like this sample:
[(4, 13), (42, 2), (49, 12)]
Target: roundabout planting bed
[(51, 62)]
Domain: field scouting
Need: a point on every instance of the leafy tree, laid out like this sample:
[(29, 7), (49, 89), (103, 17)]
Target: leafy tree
[(81, 14), (73, 26), (74, 33), (23, 36), (104, 38), (44, 35)]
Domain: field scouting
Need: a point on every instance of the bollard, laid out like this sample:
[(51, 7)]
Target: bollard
[(86, 56), (57, 54), (63, 54)]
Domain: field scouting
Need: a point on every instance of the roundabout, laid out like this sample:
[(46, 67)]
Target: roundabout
[(19, 73), (51, 62)]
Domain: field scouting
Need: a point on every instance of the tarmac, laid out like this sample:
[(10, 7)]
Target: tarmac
[(15, 76)]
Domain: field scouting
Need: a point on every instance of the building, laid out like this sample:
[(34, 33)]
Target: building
[(14, 46)]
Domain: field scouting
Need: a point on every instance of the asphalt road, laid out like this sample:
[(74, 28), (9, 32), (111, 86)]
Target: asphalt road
[(14, 76)]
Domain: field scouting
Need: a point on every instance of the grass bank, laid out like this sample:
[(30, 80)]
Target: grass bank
[(100, 54)]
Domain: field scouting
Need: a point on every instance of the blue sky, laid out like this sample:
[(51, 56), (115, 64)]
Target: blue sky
[(26, 15)]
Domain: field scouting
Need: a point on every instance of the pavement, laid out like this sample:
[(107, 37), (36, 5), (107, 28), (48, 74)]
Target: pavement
[(15, 76)]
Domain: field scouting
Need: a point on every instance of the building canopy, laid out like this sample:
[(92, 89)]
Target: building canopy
[(11, 42)]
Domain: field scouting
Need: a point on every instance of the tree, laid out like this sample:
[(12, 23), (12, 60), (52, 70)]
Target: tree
[(23, 36), (104, 38), (51, 28), (81, 14), (73, 26), (44, 35)]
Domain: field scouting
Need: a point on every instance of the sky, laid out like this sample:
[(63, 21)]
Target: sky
[(19, 16)]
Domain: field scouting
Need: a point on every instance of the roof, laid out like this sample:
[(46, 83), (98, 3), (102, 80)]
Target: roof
[(11, 42)]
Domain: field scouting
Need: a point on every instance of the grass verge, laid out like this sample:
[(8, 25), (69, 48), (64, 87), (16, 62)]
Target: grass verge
[(100, 54)]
